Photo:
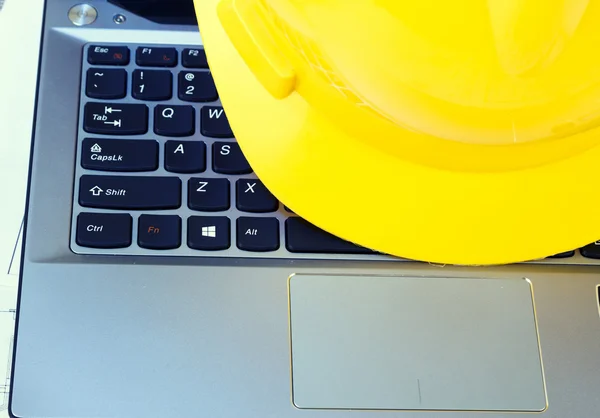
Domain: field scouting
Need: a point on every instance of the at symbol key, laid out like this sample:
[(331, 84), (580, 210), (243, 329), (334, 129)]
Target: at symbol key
[(115, 118)]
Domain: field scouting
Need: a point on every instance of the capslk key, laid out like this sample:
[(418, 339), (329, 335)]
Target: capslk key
[(119, 154), (130, 192), (115, 118)]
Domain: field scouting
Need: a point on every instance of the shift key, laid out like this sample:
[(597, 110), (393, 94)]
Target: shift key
[(130, 192), (115, 118)]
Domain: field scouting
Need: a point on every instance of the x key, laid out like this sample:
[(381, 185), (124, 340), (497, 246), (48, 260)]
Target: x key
[(253, 196)]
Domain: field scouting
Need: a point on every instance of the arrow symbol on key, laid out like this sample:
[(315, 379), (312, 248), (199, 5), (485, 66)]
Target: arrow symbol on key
[(114, 123), (96, 190), (108, 109)]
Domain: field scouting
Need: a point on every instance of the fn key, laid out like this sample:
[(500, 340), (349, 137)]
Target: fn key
[(103, 230)]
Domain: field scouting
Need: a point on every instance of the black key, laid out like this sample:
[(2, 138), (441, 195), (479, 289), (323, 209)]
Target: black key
[(108, 55), (185, 157), (159, 232), (156, 57), (208, 233), (210, 195), (566, 254), (303, 237), (194, 58), (115, 118), (129, 192), (172, 120), (103, 230), (257, 234), (119, 154), (253, 196), (228, 159), (152, 85), (197, 86), (214, 122), (102, 83), (591, 250)]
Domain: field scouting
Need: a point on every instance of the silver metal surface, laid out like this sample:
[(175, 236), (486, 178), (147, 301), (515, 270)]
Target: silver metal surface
[(414, 343), (141, 336), (83, 14)]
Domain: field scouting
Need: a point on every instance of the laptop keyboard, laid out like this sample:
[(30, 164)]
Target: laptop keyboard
[(160, 173)]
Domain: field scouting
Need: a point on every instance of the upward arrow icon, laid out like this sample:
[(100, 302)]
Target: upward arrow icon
[(96, 191)]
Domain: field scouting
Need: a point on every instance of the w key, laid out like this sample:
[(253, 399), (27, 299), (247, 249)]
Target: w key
[(214, 122)]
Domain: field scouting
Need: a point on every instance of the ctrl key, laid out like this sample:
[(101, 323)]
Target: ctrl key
[(103, 230)]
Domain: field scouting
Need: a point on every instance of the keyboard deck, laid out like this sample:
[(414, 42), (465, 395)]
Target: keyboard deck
[(159, 172)]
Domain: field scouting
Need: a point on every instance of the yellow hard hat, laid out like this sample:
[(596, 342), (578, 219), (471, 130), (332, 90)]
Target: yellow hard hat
[(460, 131)]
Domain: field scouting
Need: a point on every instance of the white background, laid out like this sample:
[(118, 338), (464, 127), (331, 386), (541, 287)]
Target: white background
[(20, 26)]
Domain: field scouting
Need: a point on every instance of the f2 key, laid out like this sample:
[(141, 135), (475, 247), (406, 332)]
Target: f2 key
[(194, 58)]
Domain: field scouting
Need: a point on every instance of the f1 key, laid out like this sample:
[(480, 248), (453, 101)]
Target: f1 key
[(156, 57)]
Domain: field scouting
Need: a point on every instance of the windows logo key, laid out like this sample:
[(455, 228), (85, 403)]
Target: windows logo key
[(209, 231)]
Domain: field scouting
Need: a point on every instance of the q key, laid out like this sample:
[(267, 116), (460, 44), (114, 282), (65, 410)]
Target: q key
[(172, 120)]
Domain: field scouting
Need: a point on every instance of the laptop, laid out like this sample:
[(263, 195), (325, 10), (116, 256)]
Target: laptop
[(161, 278)]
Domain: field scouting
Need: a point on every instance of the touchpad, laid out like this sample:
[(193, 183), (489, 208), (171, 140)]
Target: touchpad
[(400, 343)]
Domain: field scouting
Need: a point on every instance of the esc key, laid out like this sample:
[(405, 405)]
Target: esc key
[(108, 55)]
